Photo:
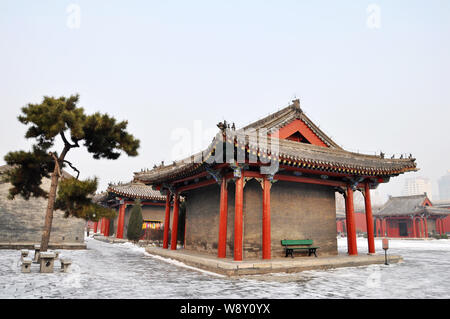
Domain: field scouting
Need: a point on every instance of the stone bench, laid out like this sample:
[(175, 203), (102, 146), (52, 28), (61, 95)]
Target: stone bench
[(65, 264), (26, 264), (46, 260)]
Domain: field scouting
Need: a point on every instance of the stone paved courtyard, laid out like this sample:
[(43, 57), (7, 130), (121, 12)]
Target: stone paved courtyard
[(126, 271)]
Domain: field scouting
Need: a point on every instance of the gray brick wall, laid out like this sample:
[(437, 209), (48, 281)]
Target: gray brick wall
[(298, 211), (23, 221)]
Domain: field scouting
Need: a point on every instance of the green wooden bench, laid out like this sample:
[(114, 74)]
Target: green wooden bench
[(300, 244)]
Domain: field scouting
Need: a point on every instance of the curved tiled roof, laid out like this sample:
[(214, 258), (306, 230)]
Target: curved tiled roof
[(277, 120), (409, 205), (100, 197), (287, 152), (136, 190)]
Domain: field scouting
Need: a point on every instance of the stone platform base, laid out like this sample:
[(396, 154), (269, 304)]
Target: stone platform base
[(30, 246), (229, 267), (111, 240)]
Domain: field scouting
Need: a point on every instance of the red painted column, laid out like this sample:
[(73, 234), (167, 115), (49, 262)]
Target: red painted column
[(238, 218), (387, 223), (439, 221), (376, 227), (121, 221), (383, 233), (223, 217), (351, 228), (266, 238), (369, 220), (167, 222), (381, 227), (417, 221), (176, 205), (95, 227), (426, 227), (422, 233), (106, 227), (102, 226), (420, 227), (414, 227)]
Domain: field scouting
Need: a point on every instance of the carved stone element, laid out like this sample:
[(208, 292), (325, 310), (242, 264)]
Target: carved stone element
[(47, 260), (26, 265), (23, 254), (65, 264)]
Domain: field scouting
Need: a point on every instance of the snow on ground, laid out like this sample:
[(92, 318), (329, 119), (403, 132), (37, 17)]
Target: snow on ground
[(127, 271)]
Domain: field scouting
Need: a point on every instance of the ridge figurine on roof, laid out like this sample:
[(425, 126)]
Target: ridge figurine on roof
[(272, 180)]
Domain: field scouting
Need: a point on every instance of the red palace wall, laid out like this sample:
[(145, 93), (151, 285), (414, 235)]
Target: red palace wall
[(393, 229), (360, 222), (446, 224)]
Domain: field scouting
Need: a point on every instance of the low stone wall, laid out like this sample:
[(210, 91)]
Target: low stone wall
[(30, 246)]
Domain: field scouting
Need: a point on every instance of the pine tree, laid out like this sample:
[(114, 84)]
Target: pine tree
[(134, 230), (61, 117)]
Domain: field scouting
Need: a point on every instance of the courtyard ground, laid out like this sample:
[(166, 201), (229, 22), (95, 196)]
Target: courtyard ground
[(126, 271)]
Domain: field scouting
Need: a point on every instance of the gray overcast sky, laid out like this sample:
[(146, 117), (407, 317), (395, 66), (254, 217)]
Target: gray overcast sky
[(163, 65)]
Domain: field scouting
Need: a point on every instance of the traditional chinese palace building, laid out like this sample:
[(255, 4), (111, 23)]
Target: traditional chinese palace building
[(274, 179), (122, 197), (445, 221), (410, 216)]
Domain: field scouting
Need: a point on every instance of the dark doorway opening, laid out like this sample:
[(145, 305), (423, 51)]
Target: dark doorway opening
[(403, 229)]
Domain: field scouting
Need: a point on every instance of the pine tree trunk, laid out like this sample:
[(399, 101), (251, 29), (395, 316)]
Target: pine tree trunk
[(51, 199), (49, 213)]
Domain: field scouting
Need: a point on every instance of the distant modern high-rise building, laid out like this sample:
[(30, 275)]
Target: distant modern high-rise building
[(444, 186), (417, 186)]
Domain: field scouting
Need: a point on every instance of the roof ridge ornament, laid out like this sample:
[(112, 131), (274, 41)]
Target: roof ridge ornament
[(296, 104), (222, 125)]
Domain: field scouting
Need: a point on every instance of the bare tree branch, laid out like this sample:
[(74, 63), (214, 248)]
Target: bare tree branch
[(66, 142), (73, 167)]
